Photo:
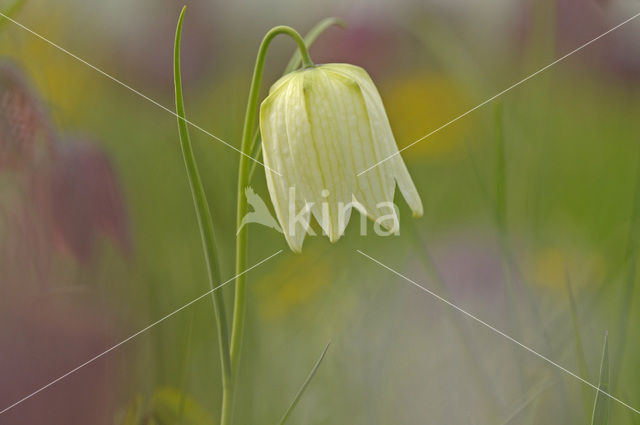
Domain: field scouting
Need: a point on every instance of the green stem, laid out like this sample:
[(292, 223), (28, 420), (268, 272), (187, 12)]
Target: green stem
[(237, 329), (205, 224)]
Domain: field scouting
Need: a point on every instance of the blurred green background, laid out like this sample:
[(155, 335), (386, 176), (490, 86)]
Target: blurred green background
[(531, 198)]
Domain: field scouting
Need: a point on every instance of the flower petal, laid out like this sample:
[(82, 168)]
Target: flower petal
[(383, 136), (332, 168), (277, 156)]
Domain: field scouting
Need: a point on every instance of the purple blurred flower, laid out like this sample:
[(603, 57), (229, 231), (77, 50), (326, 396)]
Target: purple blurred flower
[(578, 22), (55, 195), (24, 125), (370, 42), (470, 264), (60, 194), (86, 200)]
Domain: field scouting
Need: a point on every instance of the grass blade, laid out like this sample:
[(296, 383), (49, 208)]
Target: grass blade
[(296, 399), (601, 404)]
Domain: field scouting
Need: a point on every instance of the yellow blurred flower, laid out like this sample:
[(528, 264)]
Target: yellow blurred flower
[(293, 283), (69, 87), (548, 267), (421, 103)]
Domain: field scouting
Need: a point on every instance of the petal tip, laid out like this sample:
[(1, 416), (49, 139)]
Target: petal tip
[(295, 247)]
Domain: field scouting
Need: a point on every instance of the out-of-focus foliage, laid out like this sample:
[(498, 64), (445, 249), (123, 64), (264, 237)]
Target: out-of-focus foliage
[(98, 237)]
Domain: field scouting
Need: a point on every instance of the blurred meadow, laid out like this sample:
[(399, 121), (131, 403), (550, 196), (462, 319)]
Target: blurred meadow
[(531, 223)]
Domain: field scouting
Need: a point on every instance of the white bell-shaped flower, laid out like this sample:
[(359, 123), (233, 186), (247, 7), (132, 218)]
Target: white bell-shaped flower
[(321, 126)]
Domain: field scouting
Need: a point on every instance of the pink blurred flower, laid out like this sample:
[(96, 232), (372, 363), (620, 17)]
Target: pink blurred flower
[(470, 264), (24, 125), (578, 22), (86, 200), (58, 194), (370, 42), (55, 195)]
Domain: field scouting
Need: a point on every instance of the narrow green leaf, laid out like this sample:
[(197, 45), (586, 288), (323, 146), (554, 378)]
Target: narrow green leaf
[(294, 62), (304, 386), (203, 214), (601, 404)]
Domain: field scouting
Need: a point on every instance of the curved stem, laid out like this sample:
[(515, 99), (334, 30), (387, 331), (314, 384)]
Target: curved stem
[(243, 181), (294, 62), (205, 223), (310, 38)]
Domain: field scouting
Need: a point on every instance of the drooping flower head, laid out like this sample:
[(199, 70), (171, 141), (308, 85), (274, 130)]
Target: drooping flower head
[(321, 126), (24, 125)]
